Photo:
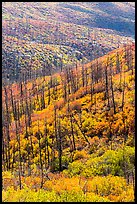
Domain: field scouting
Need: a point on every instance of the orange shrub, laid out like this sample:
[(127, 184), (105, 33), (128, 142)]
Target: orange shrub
[(75, 105), (67, 184), (59, 104)]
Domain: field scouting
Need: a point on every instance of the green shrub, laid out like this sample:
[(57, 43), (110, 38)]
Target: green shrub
[(27, 195), (114, 162), (75, 168)]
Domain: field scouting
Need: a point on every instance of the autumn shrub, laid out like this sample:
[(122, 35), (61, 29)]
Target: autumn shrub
[(59, 104), (112, 162), (65, 161), (8, 180), (66, 184), (97, 189), (107, 185), (126, 196), (92, 197), (88, 126), (75, 168), (94, 142), (28, 195), (81, 92), (115, 162), (99, 88), (80, 155), (128, 159), (7, 174), (32, 182), (74, 196), (75, 105)]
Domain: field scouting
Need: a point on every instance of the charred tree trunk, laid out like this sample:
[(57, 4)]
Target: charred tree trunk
[(106, 85), (59, 145), (112, 90)]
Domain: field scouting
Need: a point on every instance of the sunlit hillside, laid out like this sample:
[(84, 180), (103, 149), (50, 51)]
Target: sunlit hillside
[(70, 136), (56, 35)]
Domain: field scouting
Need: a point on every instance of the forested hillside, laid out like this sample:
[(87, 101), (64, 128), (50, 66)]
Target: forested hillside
[(70, 136), (55, 35), (68, 102)]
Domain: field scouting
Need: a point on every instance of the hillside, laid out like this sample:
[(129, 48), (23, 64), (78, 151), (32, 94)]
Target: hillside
[(70, 136), (61, 34), (118, 16)]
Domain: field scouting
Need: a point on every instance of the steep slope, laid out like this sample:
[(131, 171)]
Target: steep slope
[(65, 32), (77, 82), (80, 120), (119, 16)]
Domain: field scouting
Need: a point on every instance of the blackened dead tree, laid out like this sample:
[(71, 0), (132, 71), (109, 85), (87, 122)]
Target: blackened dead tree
[(59, 142), (39, 136), (7, 124), (111, 87), (106, 84)]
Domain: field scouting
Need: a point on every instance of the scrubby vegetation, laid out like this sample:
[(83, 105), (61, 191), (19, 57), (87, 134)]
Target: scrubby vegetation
[(68, 136), (52, 36), (70, 139)]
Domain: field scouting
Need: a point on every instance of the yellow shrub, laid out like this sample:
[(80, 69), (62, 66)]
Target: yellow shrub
[(107, 185), (126, 196), (80, 155)]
